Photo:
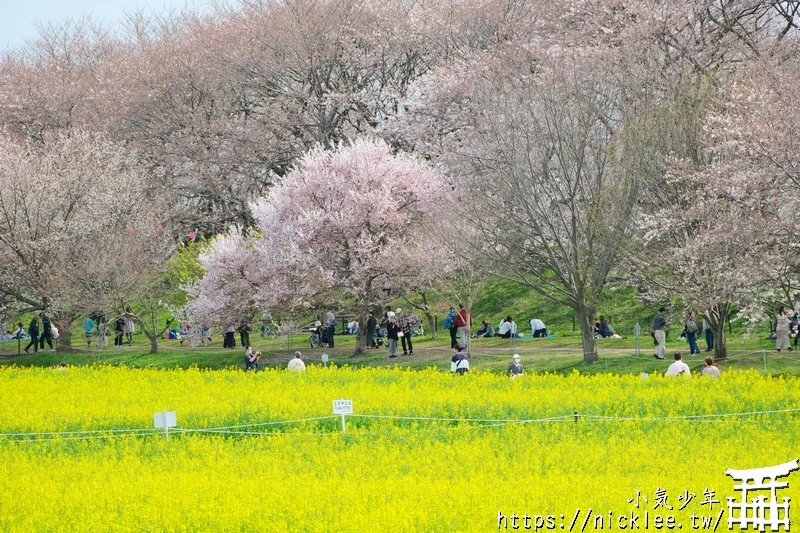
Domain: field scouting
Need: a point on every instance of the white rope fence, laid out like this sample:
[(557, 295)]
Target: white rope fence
[(464, 423)]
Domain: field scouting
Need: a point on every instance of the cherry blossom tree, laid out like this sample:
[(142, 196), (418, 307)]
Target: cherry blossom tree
[(75, 229), (343, 219)]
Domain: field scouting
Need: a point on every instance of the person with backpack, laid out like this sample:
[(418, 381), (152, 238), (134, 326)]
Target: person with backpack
[(33, 331), (692, 329), (449, 324)]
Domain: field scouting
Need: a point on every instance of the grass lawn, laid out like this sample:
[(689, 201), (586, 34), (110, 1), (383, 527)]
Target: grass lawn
[(562, 355)]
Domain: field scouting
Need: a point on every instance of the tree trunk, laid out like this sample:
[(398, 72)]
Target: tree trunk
[(361, 336), (718, 319), (63, 322), (720, 344), (431, 325), (585, 316), (153, 345)]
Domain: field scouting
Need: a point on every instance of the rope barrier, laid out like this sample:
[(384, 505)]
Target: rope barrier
[(474, 423)]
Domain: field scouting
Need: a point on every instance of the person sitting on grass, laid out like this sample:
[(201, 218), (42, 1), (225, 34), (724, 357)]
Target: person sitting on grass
[(678, 368), (508, 328), (710, 370), (486, 330)]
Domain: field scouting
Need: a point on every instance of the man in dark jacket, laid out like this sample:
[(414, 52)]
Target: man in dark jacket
[(33, 331), (47, 332)]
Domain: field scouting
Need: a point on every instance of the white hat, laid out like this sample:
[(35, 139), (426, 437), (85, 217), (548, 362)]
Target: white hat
[(390, 314), (399, 311), (516, 356)]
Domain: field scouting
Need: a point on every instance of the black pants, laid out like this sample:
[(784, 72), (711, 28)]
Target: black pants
[(48, 338), (244, 336), (34, 342), (229, 341), (403, 339), (331, 331), (118, 338), (540, 333), (453, 336)]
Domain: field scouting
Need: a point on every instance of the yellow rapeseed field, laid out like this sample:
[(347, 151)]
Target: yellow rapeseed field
[(424, 451)]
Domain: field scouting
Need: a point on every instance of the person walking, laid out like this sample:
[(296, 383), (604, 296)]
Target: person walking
[(659, 323), (33, 331), (782, 329), (47, 333)]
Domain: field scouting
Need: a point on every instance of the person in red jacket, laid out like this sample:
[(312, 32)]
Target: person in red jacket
[(463, 325)]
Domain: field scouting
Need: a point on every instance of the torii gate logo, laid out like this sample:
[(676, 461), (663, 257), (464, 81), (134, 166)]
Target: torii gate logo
[(760, 512)]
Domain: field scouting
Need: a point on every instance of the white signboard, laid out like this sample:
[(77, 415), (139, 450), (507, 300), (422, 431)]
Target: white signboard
[(343, 407), (165, 419)]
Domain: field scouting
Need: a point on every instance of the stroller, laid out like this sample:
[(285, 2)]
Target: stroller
[(380, 337), (318, 336)]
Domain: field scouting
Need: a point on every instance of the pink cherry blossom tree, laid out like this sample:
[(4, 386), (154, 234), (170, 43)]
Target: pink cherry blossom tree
[(343, 219)]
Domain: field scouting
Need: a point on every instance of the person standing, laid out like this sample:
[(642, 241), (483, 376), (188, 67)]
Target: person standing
[(459, 363), (119, 331), (538, 328), (690, 324), (406, 323), (782, 329), (392, 328), (709, 333), (710, 370), (372, 327), (47, 332), (463, 322), (244, 333), (659, 323), (251, 359), (229, 337), (450, 325), (515, 368), (794, 330), (129, 327), (33, 331), (329, 321), (88, 327)]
